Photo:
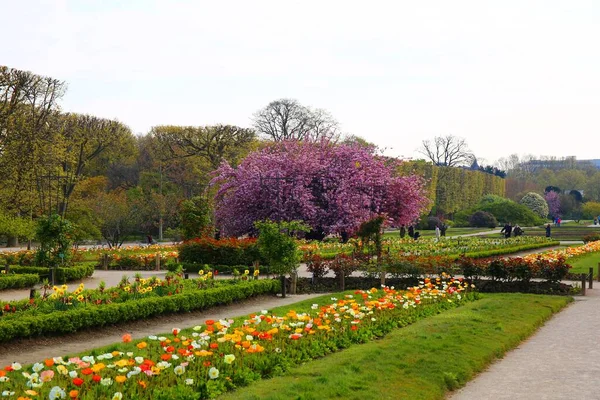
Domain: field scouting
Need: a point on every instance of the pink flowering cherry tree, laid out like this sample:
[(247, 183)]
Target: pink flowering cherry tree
[(332, 188)]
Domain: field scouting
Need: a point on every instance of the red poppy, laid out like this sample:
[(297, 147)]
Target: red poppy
[(96, 378), (77, 381)]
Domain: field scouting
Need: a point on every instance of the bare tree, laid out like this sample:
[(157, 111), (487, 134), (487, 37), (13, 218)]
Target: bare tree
[(447, 151), (213, 143), (287, 119)]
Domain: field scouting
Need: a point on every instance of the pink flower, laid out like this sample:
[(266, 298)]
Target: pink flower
[(47, 375)]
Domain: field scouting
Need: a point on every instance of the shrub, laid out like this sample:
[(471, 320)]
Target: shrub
[(18, 281), (536, 203), (592, 237), (483, 219), (229, 251), (63, 274)]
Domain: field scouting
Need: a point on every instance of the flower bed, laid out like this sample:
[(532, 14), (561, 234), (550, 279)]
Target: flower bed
[(228, 251), (59, 311), (472, 246), (207, 360)]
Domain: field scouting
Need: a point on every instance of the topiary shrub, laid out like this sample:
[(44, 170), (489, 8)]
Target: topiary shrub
[(535, 203), (483, 219)]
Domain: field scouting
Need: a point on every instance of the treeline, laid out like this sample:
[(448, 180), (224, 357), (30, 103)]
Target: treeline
[(93, 171), (452, 189)]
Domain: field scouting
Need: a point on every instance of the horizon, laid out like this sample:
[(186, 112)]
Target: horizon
[(516, 78)]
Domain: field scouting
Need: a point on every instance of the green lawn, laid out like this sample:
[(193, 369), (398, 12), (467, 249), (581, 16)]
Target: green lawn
[(569, 231), (449, 232), (582, 264), (421, 361)]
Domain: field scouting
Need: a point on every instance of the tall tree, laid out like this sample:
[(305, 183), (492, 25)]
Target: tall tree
[(447, 151), (213, 143), (333, 188), (287, 119)]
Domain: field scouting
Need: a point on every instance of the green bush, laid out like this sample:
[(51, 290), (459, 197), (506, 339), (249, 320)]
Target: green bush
[(220, 252), (483, 219), (91, 316), (63, 274), (592, 237), (18, 281)]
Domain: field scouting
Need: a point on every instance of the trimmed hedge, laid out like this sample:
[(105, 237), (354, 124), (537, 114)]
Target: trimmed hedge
[(90, 316), (18, 281), (228, 251), (63, 274)]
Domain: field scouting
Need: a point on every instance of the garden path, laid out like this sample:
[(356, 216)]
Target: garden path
[(561, 361), (28, 351)]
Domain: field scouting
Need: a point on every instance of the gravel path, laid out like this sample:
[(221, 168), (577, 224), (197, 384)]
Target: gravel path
[(28, 351), (559, 362)]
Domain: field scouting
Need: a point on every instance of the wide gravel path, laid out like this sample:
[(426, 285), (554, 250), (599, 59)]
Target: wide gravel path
[(561, 361)]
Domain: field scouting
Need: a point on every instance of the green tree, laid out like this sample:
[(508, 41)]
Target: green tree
[(590, 209), (195, 215), (278, 246), (55, 236)]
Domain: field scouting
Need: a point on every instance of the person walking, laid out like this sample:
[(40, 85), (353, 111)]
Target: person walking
[(437, 233), (507, 230), (402, 231), (411, 231), (548, 230)]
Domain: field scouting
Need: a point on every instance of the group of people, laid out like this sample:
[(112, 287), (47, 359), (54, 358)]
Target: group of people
[(557, 221), (440, 230), (509, 230)]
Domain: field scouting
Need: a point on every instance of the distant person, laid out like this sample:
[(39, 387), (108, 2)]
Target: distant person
[(411, 231), (548, 230), (507, 230), (416, 235), (517, 231), (149, 239), (437, 232), (402, 231), (558, 221), (443, 229)]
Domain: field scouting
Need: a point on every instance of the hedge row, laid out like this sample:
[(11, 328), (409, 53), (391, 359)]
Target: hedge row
[(63, 274), (91, 316), (228, 251), (18, 281)]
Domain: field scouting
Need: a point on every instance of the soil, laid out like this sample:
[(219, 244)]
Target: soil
[(27, 351)]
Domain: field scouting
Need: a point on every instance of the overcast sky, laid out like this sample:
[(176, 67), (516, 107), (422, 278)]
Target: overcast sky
[(508, 76)]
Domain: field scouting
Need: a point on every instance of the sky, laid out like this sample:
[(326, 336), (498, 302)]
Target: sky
[(507, 76)]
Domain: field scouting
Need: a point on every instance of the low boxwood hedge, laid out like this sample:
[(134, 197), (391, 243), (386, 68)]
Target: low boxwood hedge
[(91, 316), (18, 281), (63, 274)]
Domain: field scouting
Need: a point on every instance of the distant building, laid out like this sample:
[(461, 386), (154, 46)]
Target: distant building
[(570, 162)]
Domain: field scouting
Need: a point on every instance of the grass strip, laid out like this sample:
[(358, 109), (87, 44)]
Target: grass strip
[(582, 264), (422, 361)]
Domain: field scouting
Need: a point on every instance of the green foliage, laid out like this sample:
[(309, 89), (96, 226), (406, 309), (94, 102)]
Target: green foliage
[(592, 237), (63, 275), (536, 203), (23, 228), (370, 232), (590, 209), (278, 246), (195, 217), (229, 251), (483, 219), (506, 210), (90, 316), (55, 236), (18, 281)]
